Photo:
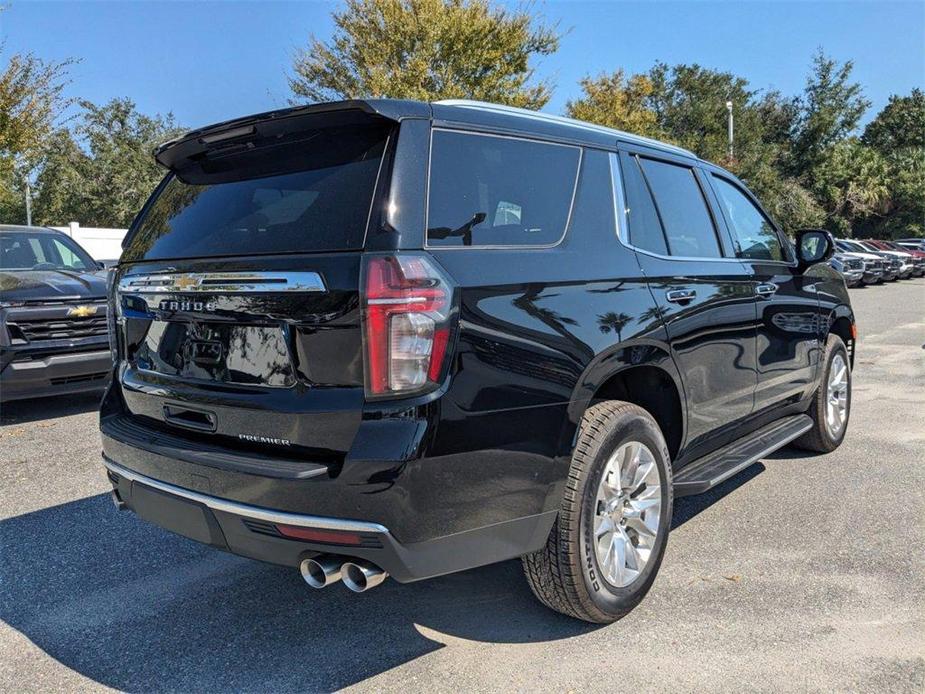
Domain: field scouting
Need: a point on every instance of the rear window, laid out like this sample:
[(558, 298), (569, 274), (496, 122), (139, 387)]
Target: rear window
[(499, 191), (310, 195), (682, 209)]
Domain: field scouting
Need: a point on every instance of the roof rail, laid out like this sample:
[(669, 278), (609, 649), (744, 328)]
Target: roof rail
[(562, 120)]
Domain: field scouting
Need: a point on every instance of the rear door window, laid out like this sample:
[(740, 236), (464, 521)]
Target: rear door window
[(499, 191), (685, 218), (307, 196)]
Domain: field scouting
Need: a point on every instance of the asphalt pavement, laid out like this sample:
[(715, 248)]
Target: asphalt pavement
[(803, 573)]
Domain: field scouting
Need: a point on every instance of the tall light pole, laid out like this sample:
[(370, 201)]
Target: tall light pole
[(729, 109), (28, 204)]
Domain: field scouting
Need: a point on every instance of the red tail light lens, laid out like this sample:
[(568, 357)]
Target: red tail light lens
[(406, 312)]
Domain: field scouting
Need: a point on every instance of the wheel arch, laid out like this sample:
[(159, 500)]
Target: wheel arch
[(642, 374), (841, 323)]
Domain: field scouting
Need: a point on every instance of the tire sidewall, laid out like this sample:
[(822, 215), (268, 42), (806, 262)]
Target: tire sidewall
[(610, 600)]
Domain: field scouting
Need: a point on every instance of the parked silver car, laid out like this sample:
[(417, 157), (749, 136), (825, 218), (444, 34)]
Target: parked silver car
[(851, 268)]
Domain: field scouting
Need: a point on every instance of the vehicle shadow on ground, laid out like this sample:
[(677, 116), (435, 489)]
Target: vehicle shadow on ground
[(687, 507), (136, 608), (24, 411)]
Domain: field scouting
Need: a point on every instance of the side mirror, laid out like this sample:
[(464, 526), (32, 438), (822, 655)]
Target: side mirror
[(814, 246)]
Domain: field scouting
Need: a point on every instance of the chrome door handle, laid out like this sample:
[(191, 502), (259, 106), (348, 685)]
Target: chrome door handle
[(766, 290), (680, 296)]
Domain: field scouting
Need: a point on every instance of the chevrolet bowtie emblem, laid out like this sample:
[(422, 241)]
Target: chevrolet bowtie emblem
[(186, 282), (81, 311)]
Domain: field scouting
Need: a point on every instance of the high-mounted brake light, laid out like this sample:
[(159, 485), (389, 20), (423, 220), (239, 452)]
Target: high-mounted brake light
[(407, 304)]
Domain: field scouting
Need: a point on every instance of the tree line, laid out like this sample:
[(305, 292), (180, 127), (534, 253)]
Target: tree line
[(804, 154)]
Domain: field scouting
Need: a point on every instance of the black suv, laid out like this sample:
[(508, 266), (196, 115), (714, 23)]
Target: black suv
[(384, 337)]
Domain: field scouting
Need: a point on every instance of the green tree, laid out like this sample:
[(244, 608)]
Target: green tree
[(900, 124), (851, 184), (30, 101), (427, 50), (689, 102), (61, 184), (690, 106), (617, 102), (907, 189), (829, 111), (103, 174), (898, 133)]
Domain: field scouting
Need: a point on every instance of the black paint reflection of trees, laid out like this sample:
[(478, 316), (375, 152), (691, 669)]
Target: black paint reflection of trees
[(527, 303), (614, 322), (653, 313)]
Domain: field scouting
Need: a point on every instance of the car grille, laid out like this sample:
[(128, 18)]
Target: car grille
[(60, 328), (854, 264), (37, 323)]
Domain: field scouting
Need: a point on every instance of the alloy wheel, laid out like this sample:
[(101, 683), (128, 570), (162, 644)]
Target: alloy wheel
[(627, 511), (836, 402)]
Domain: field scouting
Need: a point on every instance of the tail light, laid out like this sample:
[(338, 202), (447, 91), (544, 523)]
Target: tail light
[(407, 309)]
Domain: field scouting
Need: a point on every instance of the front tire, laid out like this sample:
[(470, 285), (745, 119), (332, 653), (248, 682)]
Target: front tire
[(608, 541), (831, 404)]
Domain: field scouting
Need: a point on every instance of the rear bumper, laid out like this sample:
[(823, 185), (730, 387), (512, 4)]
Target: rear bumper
[(251, 531), (55, 374)]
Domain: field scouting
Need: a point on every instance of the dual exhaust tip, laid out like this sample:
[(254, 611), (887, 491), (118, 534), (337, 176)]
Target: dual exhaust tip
[(358, 575)]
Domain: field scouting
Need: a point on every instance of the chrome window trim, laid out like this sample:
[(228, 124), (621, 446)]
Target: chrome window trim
[(246, 510), (222, 283), (479, 133)]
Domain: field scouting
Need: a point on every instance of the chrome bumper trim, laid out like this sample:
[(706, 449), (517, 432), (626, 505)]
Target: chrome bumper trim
[(246, 510)]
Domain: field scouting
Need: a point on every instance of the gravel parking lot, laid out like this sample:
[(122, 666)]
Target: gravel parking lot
[(801, 573)]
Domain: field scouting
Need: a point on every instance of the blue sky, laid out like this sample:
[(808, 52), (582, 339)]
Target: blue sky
[(211, 61)]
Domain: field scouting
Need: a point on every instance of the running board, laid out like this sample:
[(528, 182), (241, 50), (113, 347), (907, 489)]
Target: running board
[(719, 466)]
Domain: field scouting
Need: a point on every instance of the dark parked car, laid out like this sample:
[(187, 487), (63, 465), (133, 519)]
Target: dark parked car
[(53, 316), (392, 338)]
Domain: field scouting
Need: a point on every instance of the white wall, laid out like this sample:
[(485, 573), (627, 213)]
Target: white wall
[(102, 244)]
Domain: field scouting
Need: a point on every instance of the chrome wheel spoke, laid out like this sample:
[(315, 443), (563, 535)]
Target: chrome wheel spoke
[(646, 475), (630, 465), (619, 556), (603, 525)]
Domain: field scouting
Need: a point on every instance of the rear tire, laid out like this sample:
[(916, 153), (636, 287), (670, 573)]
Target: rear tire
[(830, 421), (607, 544)]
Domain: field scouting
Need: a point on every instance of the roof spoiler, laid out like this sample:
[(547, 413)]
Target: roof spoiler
[(180, 152)]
